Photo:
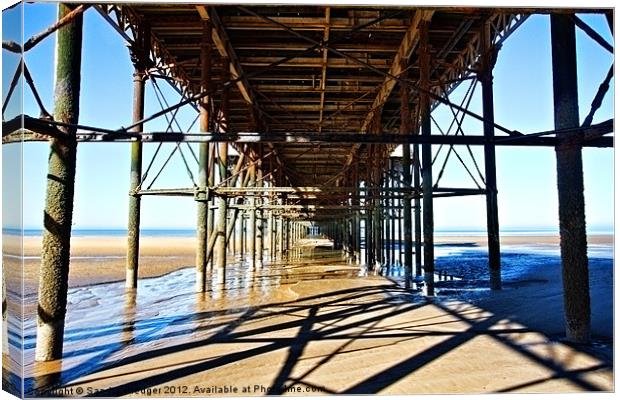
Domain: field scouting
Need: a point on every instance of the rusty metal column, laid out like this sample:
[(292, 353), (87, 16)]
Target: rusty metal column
[(368, 227), (388, 216), (251, 226), (211, 199), (260, 223), (239, 234), (378, 220), (203, 157), (135, 176), (427, 162), (54, 271), (280, 236), (573, 240), (287, 237), (270, 234), (356, 218), (219, 251), (399, 227), (486, 79), (392, 209), (405, 129)]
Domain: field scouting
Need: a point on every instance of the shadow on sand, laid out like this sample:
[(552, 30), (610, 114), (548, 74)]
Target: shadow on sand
[(359, 319)]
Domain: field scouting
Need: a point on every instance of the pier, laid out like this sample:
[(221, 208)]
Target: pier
[(317, 165)]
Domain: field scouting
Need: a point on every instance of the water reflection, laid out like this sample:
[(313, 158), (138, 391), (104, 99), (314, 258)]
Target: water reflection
[(116, 322), (129, 315), (47, 375)]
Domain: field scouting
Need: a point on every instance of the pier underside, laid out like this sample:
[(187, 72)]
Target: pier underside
[(315, 158)]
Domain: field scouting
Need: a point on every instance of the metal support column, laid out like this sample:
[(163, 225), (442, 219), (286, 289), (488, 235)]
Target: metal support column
[(251, 226), (202, 205), (427, 162), (573, 240), (270, 233), (222, 206), (135, 176), (54, 271), (260, 223), (405, 115), (392, 211), (486, 79)]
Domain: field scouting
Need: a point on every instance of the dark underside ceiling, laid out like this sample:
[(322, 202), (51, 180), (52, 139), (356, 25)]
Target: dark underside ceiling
[(318, 89)]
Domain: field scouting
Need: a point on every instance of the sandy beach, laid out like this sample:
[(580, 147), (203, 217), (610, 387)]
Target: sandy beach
[(313, 326), (102, 259)]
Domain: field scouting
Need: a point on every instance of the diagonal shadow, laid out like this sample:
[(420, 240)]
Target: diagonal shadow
[(387, 377), (95, 364), (164, 377), (295, 351), (558, 370)]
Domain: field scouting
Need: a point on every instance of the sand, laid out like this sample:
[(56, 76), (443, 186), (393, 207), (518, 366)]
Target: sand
[(311, 327), (102, 259)]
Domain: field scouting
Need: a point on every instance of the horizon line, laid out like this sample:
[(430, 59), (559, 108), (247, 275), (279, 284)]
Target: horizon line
[(609, 228)]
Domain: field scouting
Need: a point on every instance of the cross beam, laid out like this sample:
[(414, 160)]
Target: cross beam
[(35, 129)]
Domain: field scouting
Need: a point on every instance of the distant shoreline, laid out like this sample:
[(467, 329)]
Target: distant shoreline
[(192, 232)]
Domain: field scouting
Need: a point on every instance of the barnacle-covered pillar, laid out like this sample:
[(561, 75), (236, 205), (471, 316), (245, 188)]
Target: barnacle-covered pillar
[(54, 272)]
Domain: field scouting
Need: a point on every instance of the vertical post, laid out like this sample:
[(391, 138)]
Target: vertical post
[(405, 129), (202, 205), (260, 223), (270, 234), (251, 226), (222, 206), (486, 79), (399, 227), (573, 240), (356, 217), (392, 209), (368, 224), (377, 220), (280, 236), (427, 161), (211, 207), (417, 210), (135, 176), (388, 216), (239, 235), (54, 272)]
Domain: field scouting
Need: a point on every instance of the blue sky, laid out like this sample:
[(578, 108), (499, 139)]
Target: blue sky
[(523, 101)]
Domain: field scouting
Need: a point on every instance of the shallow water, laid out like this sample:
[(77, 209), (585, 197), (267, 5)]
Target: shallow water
[(116, 321), (465, 265)]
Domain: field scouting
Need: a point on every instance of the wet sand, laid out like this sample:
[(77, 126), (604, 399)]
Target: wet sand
[(313, 325), (102, 259), (97, 260)]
